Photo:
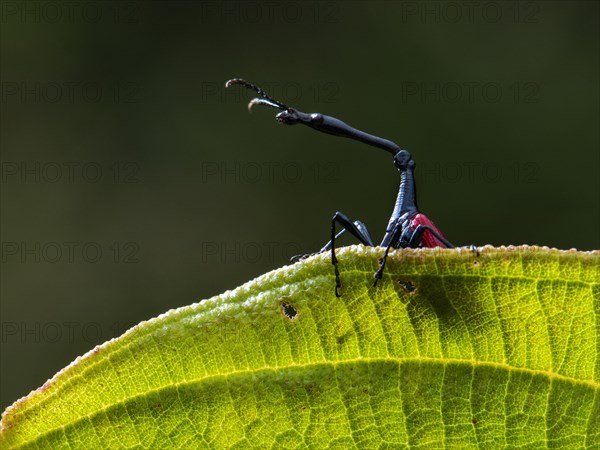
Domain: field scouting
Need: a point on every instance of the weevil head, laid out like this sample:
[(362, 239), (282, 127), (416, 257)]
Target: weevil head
[(403, 160), (292, 116)]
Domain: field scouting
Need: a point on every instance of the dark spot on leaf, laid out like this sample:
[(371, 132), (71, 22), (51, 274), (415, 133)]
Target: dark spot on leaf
[(289, 310), (408, 286), (341, 339), (476, 263), (474, 421)]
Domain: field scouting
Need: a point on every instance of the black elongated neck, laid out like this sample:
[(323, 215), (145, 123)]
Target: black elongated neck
[(406, 200), (331, 125), (334, 126)]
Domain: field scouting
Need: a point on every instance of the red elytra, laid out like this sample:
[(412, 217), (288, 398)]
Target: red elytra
[(429, 240)]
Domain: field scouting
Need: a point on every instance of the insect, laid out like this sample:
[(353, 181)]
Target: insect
[(407, 227)]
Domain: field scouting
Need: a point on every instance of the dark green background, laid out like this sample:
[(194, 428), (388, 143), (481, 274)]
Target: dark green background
[(516, 163)]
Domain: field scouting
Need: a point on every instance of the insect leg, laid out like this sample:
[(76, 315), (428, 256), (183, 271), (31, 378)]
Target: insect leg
[(361, 227), (417, 236), (357, 229), (327, 246), (395, 237)]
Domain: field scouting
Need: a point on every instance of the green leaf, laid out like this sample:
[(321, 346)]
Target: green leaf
[(449, 350)]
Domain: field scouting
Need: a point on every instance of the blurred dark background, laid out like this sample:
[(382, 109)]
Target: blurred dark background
[(133, 183)]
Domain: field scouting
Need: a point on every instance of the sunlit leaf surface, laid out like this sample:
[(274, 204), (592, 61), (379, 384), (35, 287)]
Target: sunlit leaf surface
[(449, 350)]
